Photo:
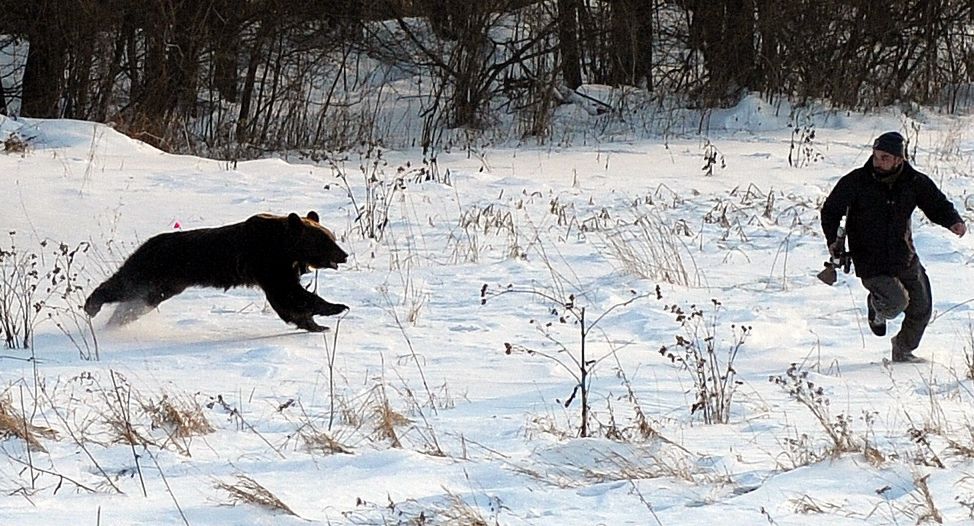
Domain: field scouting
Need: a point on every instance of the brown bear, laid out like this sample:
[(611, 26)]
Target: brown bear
[(267, 251)]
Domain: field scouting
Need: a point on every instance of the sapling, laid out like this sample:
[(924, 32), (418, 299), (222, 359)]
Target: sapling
[(578, 364)]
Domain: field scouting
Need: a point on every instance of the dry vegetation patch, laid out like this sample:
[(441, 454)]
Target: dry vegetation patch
[(15, 424), (248, 491), (15, 143)]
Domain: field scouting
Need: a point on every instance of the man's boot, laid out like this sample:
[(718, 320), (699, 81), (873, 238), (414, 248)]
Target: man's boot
[(877, 323), (901, 355)]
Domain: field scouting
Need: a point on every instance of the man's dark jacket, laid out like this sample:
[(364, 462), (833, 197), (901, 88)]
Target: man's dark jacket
[(878, 228)]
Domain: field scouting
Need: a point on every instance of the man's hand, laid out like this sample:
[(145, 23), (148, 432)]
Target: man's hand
[(836, 249), (959, 228)]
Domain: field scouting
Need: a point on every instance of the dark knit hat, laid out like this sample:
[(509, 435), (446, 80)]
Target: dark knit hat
[(891, 142)]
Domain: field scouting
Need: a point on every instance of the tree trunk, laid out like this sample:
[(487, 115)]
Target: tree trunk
[(739, 32), (568, 39), (446, 16), (108, 73), (46, 57), (768, 65), (127, 39), (152, 97), (632, 42), (226, 47), (723, 30), (189, 32), (247, 93)]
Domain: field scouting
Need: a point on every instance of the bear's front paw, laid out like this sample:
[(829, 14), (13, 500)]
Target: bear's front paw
[(310, 326), (92, 307), (331, 309)]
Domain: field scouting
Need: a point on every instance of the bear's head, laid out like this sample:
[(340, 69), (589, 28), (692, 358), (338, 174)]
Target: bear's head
[(314, 245)]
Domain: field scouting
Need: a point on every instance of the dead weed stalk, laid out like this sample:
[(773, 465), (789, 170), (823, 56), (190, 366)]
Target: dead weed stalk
[(838, 428), (248, 491), (696, 353)]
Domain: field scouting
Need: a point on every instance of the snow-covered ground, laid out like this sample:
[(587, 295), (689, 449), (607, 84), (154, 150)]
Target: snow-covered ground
[(411, 410)]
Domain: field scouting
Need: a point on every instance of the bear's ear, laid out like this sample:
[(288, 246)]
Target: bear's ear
[(293, 220), (312, 215)]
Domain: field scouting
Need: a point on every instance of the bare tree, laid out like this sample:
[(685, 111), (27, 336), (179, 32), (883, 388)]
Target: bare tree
[(43, 24), (568, 38), (632, 42)]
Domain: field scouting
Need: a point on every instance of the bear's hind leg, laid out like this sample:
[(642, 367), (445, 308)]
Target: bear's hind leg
[(134, 308)]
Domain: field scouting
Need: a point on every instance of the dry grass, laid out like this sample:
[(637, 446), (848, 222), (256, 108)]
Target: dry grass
[(387, 420), (318, 441), (613, 466), (480, 229), (647, 248), (964, 449), (368, 416), (548, 424), (929, 507), (806, 505), (122, 430), (457, 512), (969, 350), (248, 491), (13, 424), (451, 509), (167, 420), (322, 435), (14, 143), (602, 467), (180, 417)]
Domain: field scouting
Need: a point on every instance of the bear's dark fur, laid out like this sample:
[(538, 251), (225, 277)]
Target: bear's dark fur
[(267, 251)]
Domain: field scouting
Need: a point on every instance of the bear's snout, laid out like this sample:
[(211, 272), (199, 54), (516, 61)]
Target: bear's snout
[(331, 260), (339, 258)]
